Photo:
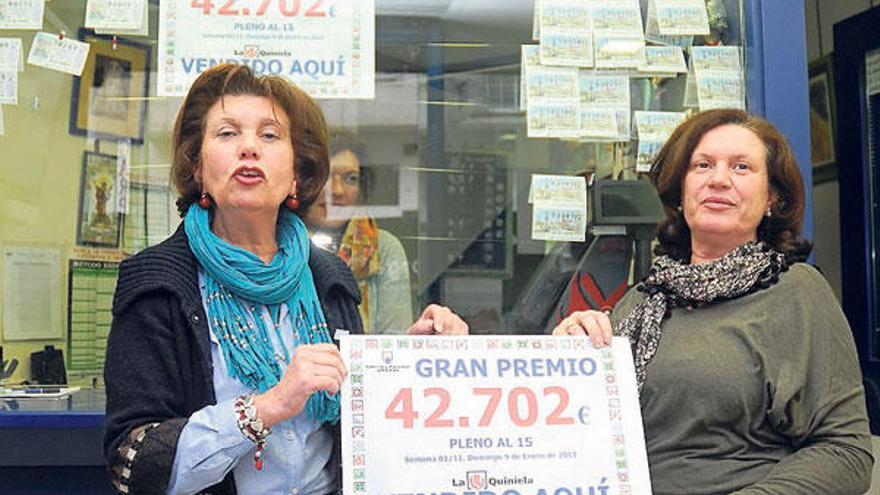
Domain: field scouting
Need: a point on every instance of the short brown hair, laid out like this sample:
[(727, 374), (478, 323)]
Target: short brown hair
[(342, 139), (308, 130), (780, 231)]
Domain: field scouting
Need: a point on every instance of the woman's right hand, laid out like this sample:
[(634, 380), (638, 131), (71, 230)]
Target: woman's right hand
[(312, 369), (595, 324)]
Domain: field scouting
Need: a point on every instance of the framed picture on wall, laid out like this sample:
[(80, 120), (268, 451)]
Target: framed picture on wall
[(823, 132), (98, 222), (109, 99)]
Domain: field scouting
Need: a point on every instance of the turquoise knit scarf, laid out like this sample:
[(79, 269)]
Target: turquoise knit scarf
[(236, 281)]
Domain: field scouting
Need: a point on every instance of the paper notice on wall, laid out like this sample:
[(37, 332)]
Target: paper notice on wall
[(91, 285), (21, 14), (56, 53), (327, 49), (9, 86), (115, 14), (31, 294), (559, 205), (10, 54)]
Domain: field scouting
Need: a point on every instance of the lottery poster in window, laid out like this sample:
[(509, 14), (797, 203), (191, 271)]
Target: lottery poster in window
[(325, 48), (490, 414)]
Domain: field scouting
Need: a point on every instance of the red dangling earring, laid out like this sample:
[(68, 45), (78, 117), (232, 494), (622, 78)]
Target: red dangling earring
[(205, 201), (292, 202)]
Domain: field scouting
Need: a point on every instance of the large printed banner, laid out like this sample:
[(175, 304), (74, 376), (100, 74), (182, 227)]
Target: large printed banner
[(326, 47), (490, 415)]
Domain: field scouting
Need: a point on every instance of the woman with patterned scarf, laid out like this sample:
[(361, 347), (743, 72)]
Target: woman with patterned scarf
[(221, 372), (748, 375), (375, 256)]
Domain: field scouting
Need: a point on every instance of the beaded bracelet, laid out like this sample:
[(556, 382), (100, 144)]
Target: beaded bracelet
[(251, 426)]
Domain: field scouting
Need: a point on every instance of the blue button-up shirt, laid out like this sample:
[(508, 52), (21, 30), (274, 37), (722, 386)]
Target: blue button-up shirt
[(296, 456)]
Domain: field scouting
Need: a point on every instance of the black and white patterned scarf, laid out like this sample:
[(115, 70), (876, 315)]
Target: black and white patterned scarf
[(672, 283)]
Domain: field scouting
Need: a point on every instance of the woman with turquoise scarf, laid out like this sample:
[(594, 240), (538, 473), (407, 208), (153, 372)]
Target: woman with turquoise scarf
[(221, 373)]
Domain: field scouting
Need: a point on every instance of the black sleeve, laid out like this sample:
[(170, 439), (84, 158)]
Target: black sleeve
[(146, 397), (341, 312)]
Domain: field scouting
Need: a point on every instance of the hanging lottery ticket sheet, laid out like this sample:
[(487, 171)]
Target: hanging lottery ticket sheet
[(653, 129), (662, 61), (571, 49), (599, 123), (490, 415), (601, 94), (558, 223), (652, 31), (56, 53), (716, 58), (115, 14), (681, 17), (566, 38), (559, 205), (552, 102), (720, 89), (718, 77), (326, 48), (648, 149), (21, 14), (657, 124), (618, 36), (551, 119), (558, 189)]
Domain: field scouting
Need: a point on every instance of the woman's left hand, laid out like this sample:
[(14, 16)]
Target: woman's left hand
[(439, 320)]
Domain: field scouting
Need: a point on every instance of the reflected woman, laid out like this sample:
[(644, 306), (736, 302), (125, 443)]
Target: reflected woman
[(375, 256)]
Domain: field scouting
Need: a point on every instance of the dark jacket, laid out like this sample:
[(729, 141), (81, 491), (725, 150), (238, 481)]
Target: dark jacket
[(158, 367)]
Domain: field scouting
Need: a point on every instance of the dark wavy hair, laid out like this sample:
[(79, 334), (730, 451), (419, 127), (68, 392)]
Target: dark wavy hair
[(308, 129), (780, 231), (342, 139)]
